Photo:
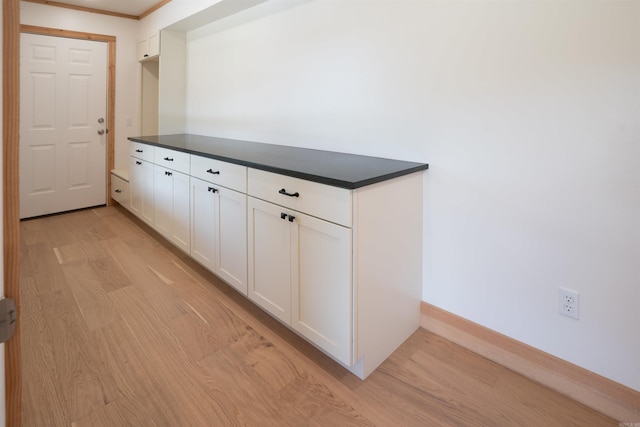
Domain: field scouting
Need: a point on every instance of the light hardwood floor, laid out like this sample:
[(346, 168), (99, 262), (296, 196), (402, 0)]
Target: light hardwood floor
[(119, 328)]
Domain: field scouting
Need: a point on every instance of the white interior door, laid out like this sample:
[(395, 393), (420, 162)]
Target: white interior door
[(63, 142)]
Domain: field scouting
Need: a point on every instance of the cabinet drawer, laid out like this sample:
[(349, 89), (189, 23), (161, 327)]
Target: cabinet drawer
[(141, 151), (172, 159), (218, 172), (120, 190), (319, 200)]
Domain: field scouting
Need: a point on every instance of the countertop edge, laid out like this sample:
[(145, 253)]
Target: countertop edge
[(351, 185)]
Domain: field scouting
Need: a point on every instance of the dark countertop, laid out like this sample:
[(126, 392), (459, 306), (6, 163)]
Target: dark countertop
[(326, 167)]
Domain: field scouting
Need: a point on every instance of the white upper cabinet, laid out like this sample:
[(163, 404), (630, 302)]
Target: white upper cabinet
[(149, 47)]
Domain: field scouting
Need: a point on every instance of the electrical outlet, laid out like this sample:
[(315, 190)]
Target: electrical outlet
[(569, 303)]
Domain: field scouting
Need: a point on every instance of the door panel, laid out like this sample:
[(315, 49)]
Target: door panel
[(322, 294), (63, 159), (79, 162), (269, 238), (232, 238), (142, 189), (204, 206)]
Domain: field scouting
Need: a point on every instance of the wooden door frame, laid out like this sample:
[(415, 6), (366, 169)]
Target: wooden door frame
[(11, 29), (11, 198)]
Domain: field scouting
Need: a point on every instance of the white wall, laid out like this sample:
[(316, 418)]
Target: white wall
[(528, 113), (127, 67), (171, 13)]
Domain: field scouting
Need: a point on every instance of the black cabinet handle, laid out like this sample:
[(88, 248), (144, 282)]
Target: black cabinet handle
[(283, 215), (168, 159), (138, 163), (167, 173), (283, 191), (118, 191), (212, 171), (146, 55), (291, 218), (213, 190), (139, 151)]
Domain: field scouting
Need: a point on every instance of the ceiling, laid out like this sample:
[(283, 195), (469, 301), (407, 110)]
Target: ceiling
[(133, 8)]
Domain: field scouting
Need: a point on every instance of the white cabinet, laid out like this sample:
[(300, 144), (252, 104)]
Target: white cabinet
[(321, 288), (300, 272), (231, 223), (300, 265), (149, 47), (160, 194), (203, 228), (141, 189), (270, 253), (171, 202), (219, 231), (341, 267)]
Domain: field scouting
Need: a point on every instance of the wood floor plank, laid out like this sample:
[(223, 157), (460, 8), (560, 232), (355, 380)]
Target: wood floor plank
[(109, 272), (164, 298), (90, 296), (85, 387), (120, 328), (40, 380)]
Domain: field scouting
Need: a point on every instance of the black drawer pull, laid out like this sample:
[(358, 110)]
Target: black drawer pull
[(213, 190), (291, 218), (283, 191), (167, 173), (168, 159), (213, 172), (138, 163), (139, 151), (283, 215), (118, 191)]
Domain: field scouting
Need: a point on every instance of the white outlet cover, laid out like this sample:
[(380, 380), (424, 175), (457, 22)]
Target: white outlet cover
[(569, 303)]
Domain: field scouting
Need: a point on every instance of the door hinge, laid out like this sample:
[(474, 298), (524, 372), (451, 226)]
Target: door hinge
[(8, 317)]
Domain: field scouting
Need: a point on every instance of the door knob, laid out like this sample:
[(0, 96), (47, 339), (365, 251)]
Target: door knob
[(100, 120), (100, 131)]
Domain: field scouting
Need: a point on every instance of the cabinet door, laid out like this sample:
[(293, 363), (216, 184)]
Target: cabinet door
[(181, 222), (143, 49), (322, 292), (231, 262), (149, 47), (269, 240), (141, 188), (204, 205), (171, 198), (154, 45), (163, 200)]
